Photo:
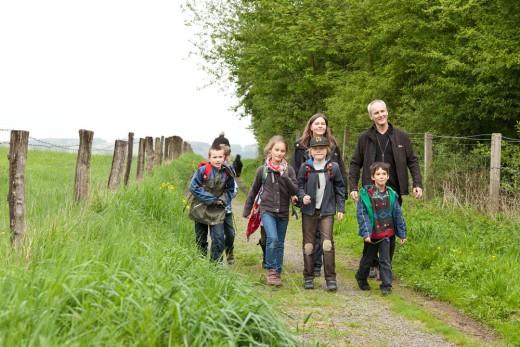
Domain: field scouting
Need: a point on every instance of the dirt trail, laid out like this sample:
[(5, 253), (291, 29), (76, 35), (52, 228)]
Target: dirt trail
[(348, 316)]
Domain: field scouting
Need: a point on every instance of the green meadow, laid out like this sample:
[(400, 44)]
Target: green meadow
[(120, 269)]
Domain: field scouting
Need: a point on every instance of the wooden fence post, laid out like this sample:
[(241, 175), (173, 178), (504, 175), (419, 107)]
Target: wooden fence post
[(494, 174), (167, 149), (81, 181), (149, 154), (157, 157), (16, 197), (140, 160), (130, 153), (118, 160), (428, 155), (177, 147)]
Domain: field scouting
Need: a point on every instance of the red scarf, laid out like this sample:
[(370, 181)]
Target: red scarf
[(277, 168)]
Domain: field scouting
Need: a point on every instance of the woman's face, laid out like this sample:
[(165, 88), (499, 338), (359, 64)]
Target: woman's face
[(318, 127)]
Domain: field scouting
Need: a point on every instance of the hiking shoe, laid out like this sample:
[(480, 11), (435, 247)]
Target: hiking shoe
[(273, 278), (386, 291), (373, 272), (317, 272), (332, 286), (363, 285), (308, 284)]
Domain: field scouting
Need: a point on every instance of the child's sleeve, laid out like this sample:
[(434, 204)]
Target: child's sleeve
[(365, 226), (399, 223), (301, 184), (291, 182), (198, 191)]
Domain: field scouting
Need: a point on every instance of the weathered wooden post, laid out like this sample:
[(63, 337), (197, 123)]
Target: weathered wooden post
[(186, 148), (81, 181), (157, 156), (118, 161), (428, 155), (16, 196), (140, 160), (167, 149), (171, 149), (177, 147), (149, 154), (130, 153), (494, 174)]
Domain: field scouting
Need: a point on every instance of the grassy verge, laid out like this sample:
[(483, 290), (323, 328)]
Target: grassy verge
[(121, 269)]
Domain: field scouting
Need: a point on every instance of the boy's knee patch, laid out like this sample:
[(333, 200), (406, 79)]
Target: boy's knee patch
[(327, 245), (308, 248)]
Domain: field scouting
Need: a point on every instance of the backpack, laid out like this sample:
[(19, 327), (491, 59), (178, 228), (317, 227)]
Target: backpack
[(327, 168)]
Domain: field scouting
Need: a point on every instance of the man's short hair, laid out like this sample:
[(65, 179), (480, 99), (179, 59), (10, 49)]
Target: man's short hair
[(373, 102)]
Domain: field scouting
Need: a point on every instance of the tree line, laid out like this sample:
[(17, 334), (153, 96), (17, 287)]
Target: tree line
[(442, 66)]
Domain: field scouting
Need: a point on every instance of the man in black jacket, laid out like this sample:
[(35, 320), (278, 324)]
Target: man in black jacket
[(385, 143)]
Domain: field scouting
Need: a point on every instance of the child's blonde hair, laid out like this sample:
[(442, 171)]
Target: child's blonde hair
[(216, 148), (327, 147), (227, 150), (273, 141)]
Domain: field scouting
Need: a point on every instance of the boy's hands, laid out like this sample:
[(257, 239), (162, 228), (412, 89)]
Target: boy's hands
[(340, 215), (306, 200), (401, 241), (367, 239)]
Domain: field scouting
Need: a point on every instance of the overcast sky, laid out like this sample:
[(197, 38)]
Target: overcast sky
[(109, 66)]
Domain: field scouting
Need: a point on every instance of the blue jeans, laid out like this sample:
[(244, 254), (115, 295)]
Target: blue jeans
[(216, 233), (275, 230), (229, 233)]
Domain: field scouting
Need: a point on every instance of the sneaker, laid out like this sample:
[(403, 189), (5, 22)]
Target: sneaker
[(373, 272), (308, 284), (363, 285), (332, 286), (317, 272), (386, 291)]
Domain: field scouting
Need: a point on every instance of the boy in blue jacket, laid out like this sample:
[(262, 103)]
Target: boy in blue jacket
[(379, 217), (212, 192)]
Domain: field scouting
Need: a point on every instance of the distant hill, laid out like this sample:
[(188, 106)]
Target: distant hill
[(246, 152)]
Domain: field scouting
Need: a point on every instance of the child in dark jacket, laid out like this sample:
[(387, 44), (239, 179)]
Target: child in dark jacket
[(277, 188), (379, 217), (215, 192), (322, 192)]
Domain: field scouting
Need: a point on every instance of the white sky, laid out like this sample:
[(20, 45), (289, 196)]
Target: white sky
[(109, 66)]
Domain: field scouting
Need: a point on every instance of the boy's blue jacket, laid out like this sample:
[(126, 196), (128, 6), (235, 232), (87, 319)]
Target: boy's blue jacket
[(365, 214), (222, 190), (333, 196)]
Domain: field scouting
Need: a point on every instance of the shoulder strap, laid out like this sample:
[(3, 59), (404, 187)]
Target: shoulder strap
[(328, 169)]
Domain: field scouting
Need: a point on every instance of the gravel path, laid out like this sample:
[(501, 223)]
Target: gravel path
[(349, 316)]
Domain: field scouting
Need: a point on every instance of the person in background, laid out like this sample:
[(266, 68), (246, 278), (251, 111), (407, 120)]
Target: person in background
[(379, 218), (317, 125), (279, 186), (322, 192), (237, 164), (388, 144)]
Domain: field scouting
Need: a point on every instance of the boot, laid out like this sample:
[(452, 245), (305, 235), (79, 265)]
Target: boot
[(230, 258), (273, 278)]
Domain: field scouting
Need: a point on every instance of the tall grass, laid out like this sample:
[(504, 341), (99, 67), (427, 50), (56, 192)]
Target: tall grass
[(121, 269)]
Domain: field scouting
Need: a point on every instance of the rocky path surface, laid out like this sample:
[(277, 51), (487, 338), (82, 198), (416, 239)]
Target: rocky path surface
[(350, 316)]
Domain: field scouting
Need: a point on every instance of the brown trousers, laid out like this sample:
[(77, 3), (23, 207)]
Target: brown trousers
[(309, 226)]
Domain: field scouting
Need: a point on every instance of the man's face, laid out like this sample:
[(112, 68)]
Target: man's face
[(379, 114), (216, 158)]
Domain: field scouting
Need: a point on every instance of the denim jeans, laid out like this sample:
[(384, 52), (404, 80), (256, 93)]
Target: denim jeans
[(216, 233), (275, 230), (229, 233)]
